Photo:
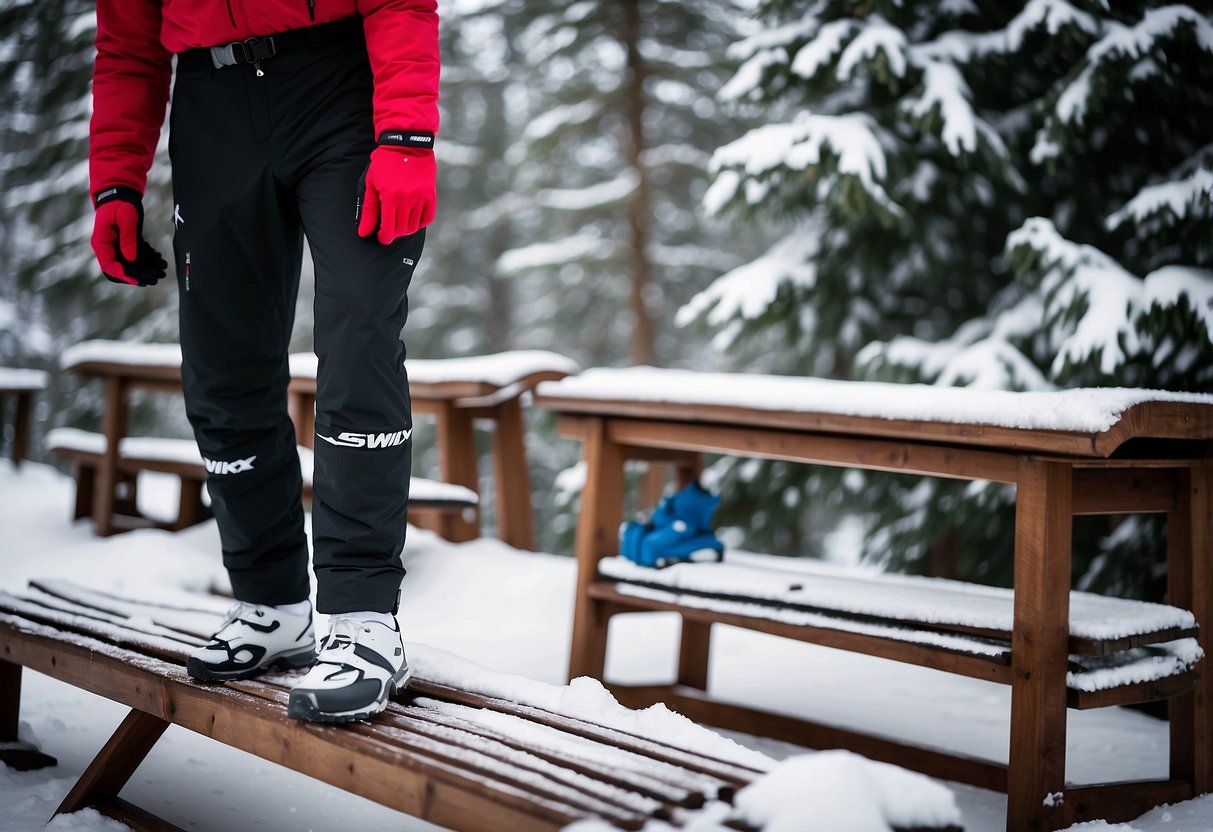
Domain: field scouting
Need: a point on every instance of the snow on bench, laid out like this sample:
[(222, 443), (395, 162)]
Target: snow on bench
[(15, 379), (1083, 411), (1135, 642), (497, 369), (182, 457), (464, 747)]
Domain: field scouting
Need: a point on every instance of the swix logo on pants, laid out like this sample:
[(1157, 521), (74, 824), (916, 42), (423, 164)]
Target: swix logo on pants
[(237, 466), (348, 439)]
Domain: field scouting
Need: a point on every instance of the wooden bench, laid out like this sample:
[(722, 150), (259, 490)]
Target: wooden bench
[(457, 392), (20, 386), (466, 758), (429, 501), (1068, 454)]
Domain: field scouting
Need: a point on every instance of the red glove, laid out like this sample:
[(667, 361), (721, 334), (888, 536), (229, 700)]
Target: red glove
[(124, 256), (398, 192)]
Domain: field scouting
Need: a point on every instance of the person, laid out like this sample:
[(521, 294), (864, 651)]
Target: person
[(289, 119)]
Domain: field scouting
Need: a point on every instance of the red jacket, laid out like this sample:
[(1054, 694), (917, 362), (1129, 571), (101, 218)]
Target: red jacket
[(136, 40)]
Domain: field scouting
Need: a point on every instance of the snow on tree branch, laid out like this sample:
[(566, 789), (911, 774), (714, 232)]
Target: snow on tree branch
[(575, 249), (1118, 45), (1054, 16), (748, 290), (876, 37), (1169, 203), (851, 140), (945, 93), (595, 196)]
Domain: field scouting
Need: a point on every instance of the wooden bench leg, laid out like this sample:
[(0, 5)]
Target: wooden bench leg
[(1190, 586), (113, 425), (18, 757), (1040, 645), (21, 423), (597, 537), (190, 508), (512, 477), (456, 436), (115, 763), (86, 482)]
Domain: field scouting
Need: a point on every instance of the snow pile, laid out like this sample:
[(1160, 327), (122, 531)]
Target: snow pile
[(1089, 410), (839, 790)]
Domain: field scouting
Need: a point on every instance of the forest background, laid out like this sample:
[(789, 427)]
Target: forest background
[(1000, 195)]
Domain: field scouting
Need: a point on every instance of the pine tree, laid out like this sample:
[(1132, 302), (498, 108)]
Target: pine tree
[(1012, 197), (610, 168), (49, 282)]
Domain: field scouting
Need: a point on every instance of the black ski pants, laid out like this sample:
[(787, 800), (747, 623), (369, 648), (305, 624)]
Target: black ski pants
[(260, 162)]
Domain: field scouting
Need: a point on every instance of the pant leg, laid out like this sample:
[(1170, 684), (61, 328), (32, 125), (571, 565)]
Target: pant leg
[(238, 246), (363, 414)]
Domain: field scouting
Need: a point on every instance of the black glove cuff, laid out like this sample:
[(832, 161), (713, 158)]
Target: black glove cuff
[(407, 138), (122, 192)]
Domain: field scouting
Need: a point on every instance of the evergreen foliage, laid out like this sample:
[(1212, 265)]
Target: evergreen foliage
[(51, 292), (610, 168), (996, 195)]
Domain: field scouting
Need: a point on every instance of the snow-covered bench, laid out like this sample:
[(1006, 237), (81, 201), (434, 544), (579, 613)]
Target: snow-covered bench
[(456, 392), (20, 386), (1068, 453), (428, 499), (464, 747)]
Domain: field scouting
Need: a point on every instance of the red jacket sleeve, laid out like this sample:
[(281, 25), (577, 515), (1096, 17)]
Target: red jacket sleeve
[(402, 41), (130, 90)]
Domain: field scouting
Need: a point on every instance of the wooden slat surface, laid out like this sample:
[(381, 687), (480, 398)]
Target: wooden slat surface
[(621, 778)]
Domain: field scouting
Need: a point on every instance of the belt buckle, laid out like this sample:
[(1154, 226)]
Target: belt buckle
[(256, 49)]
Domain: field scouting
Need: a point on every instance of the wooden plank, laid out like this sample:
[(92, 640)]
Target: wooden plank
[(456, 440), (991, 668), (652, 783), (414, 784), (822, 449), (512, 477), (113, 426), (1118, 802), (1039, 642), (138, 819), (1163, 420), (597, 537), (694, 652), (1158, 690), (116, 762), (1124, 491), (723, 770), (1078, 645), (696, 705), (1190, 585), (133, 373)]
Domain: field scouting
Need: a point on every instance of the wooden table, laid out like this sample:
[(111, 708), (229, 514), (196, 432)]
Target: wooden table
[(457, 392), (1148, 456), (20, 385)]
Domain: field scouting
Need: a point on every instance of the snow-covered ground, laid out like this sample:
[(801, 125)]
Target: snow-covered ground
[(509, 611)]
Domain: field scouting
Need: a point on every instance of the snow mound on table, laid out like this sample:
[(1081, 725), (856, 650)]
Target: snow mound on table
[(841, 790), (121, 352), (500, 369), (12, 378), (583, 698)]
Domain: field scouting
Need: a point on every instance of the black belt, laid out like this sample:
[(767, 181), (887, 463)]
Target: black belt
[(339, 35)]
